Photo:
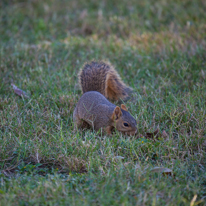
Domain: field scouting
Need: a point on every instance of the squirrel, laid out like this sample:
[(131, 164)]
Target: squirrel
[(102, 77), (99, 82)]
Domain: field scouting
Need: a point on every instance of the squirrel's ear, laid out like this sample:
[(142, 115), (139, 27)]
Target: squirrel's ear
[(117, 113), (123, 107)]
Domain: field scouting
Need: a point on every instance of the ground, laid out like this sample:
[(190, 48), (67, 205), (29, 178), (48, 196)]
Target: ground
[(158, 48)]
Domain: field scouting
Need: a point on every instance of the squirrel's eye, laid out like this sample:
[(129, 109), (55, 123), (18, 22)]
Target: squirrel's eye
[(125, 124)]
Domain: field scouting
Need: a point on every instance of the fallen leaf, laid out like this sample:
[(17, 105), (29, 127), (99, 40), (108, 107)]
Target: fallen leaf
[(164, 134), (162, 170), (19, 91), (119, 157)]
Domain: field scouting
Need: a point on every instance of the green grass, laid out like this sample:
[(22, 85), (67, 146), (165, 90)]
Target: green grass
[(159, 49)]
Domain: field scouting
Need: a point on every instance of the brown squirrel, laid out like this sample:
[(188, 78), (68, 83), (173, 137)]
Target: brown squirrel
[(99, 81)]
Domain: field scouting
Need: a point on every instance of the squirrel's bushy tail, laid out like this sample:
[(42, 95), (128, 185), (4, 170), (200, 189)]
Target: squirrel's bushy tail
[(103, 78)]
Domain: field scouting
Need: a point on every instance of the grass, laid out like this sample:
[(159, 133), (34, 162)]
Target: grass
[(159, 50)]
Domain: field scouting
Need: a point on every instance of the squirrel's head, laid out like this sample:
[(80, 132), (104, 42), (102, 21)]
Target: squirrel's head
[(123, 120)]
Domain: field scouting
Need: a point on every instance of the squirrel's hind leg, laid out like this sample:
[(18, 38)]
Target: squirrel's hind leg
[(79, 123)]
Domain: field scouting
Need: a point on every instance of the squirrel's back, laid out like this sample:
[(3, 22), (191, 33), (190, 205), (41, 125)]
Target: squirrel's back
[(103, 78)]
